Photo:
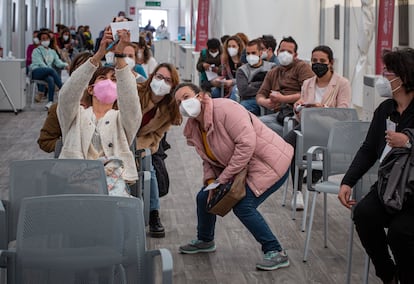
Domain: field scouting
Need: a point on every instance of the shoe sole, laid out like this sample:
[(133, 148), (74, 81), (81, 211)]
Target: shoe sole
[(269, 268), (157, 234), (212, 249)]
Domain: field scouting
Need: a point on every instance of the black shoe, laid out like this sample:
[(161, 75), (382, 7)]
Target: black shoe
[(316, 176), (156, 230)]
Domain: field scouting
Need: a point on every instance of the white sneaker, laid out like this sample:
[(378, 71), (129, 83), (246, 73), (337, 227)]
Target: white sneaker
[(48, 105), (299, 201)]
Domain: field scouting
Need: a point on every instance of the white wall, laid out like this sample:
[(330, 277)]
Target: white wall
[(279, 18), (97, 14)]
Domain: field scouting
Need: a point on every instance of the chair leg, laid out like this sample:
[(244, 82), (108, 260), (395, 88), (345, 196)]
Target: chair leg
[(325, 219), (305, 211), (366, 268), (285, 192), (350, 249), (295, 187), (308, 233)]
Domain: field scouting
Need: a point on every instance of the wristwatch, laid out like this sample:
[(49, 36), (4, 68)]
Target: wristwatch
[(408, 144), (120, 55)]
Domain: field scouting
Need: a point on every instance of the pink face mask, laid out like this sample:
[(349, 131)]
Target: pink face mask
[(105, 91)]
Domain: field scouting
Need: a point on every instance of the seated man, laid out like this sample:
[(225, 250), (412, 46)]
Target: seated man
[(209, 60), (249, 77), (269, 46), (282, 85)]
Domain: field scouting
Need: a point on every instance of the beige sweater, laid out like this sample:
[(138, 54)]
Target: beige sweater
[(119, 128)]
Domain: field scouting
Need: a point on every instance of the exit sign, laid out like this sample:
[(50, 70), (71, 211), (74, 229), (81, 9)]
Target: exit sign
[(153, 3)]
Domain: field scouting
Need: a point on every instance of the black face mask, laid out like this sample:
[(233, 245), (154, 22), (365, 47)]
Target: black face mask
[(320, 69)]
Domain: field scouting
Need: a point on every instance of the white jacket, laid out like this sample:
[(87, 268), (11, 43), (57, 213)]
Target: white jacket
[(119, 128)]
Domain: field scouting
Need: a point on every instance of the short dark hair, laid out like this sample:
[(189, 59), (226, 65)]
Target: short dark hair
[(401, 62), (325, 49), (213, 43), (255, 42), (193, 87), (269, 42), (291, 40), (43, 32), (224, 38)]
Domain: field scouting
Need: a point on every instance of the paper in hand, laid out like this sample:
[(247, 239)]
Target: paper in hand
[(211, 186), (131, 26)]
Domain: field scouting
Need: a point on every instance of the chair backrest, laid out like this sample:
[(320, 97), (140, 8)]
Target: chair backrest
[(345, 138), (50, 177), (316, 124), (83, 238)]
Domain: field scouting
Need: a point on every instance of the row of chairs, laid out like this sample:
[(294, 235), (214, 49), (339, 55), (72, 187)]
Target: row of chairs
[(335, 134), (60, 225)]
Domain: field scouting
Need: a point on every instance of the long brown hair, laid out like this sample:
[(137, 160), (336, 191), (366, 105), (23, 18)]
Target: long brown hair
[(168, 102)]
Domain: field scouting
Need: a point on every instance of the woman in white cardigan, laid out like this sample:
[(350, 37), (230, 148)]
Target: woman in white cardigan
[(100, 131)]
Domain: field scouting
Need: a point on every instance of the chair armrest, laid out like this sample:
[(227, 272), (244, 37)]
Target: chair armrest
[(166, 262), (3, 225), (5, 257), (309, 156)]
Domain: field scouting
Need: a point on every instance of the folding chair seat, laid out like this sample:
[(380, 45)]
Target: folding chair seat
[(83, 239), (345, 138), (315, 126)]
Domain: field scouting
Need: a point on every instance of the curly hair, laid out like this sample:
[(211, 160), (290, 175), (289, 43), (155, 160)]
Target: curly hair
[(401, 62)]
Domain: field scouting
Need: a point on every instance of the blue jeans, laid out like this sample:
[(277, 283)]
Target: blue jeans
[(154, 195), (216, 92), (51, 77), (251, 105), (246, 211), (271, 121)]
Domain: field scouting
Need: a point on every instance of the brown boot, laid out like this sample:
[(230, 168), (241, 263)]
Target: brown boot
[(38, 97), (156, 230)]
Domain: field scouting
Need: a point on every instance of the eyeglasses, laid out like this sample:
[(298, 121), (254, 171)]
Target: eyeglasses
[(387, 73), (160, 77)]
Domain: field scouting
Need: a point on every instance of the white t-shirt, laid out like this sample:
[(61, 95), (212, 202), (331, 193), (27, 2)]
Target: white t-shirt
[(319, 94)]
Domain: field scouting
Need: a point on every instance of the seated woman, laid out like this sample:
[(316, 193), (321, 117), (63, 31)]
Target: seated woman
[(145, 58), (99, 131), (230, 62), (325, 89), (131, 58), (44, 59), (159, 112), (371, 217), (228, 139)]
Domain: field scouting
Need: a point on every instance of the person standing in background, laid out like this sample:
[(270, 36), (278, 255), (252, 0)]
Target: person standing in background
[(162, 31)]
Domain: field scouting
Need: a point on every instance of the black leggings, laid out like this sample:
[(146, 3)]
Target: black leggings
[(370, 218)]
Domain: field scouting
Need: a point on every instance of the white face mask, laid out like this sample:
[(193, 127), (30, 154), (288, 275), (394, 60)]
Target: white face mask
[(190, 107), (130, 62), (264, 55), (232, 51), (140, 54), (45, 43), (252, 59), (285, 58), (65, 37), (383, 87), (214, 54), (36, 40), (159, 87), (109, 58)]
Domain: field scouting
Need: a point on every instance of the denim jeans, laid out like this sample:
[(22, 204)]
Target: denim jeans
[(271, 121), (154, 196), (51, 77), (251, 105), (216, 93), (246, 211)]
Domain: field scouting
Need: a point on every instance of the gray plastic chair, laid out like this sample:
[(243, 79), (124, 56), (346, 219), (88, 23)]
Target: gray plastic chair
[(83, 239), (47, 177), (315, 126), (143, 190), (345, 138)]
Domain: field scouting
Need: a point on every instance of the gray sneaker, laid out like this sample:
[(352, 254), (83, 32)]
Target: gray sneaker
[(273, 260), (196, 246)]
